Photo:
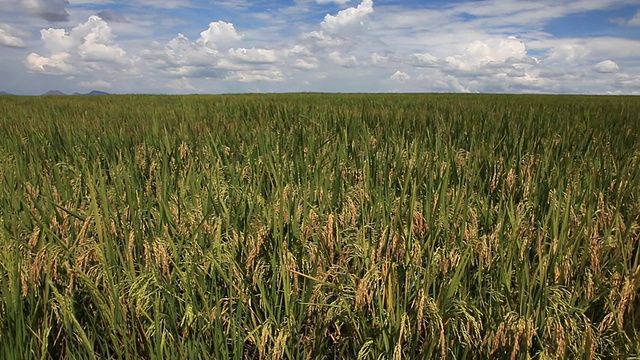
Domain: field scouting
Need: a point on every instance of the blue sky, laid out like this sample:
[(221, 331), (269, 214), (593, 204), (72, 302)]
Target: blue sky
[(198, 46)]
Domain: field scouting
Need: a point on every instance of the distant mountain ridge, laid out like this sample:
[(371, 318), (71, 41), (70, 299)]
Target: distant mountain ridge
[(58, 92), (5, 93), (93, 92), (53, 92)]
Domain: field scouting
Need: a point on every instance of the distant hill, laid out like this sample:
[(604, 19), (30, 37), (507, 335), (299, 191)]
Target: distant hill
[(5, 93), (91, 93), (96, 92), (53, 92)]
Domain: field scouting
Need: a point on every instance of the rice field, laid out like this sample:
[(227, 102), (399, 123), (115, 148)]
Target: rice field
[(316, 226)]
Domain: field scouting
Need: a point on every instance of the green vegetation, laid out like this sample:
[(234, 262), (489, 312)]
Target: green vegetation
[(315, 226)]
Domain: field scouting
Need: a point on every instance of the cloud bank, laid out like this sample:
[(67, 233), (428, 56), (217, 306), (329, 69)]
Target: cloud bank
[(460, 47)]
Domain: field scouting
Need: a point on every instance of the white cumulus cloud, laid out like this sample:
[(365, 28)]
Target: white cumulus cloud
[(305, 64), (297, 50), (344, 61), (300, 57), (496, 50), (57, 40), (320, 39), (11, 37), (272, 75), (606, 66), (182, 58), (424, 60), (459, 46), (92, 40), (348, 17), (570, 52), (181, 51), (255, 56), (379, 60), (219, 33), (400, 76), (78, 49), (97, 42), (54, 64), (479, 54)]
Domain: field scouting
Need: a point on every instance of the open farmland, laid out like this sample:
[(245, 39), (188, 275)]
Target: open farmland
[(310, 226)]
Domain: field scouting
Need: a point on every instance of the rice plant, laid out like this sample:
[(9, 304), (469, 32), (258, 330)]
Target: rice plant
[(316, 226)]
